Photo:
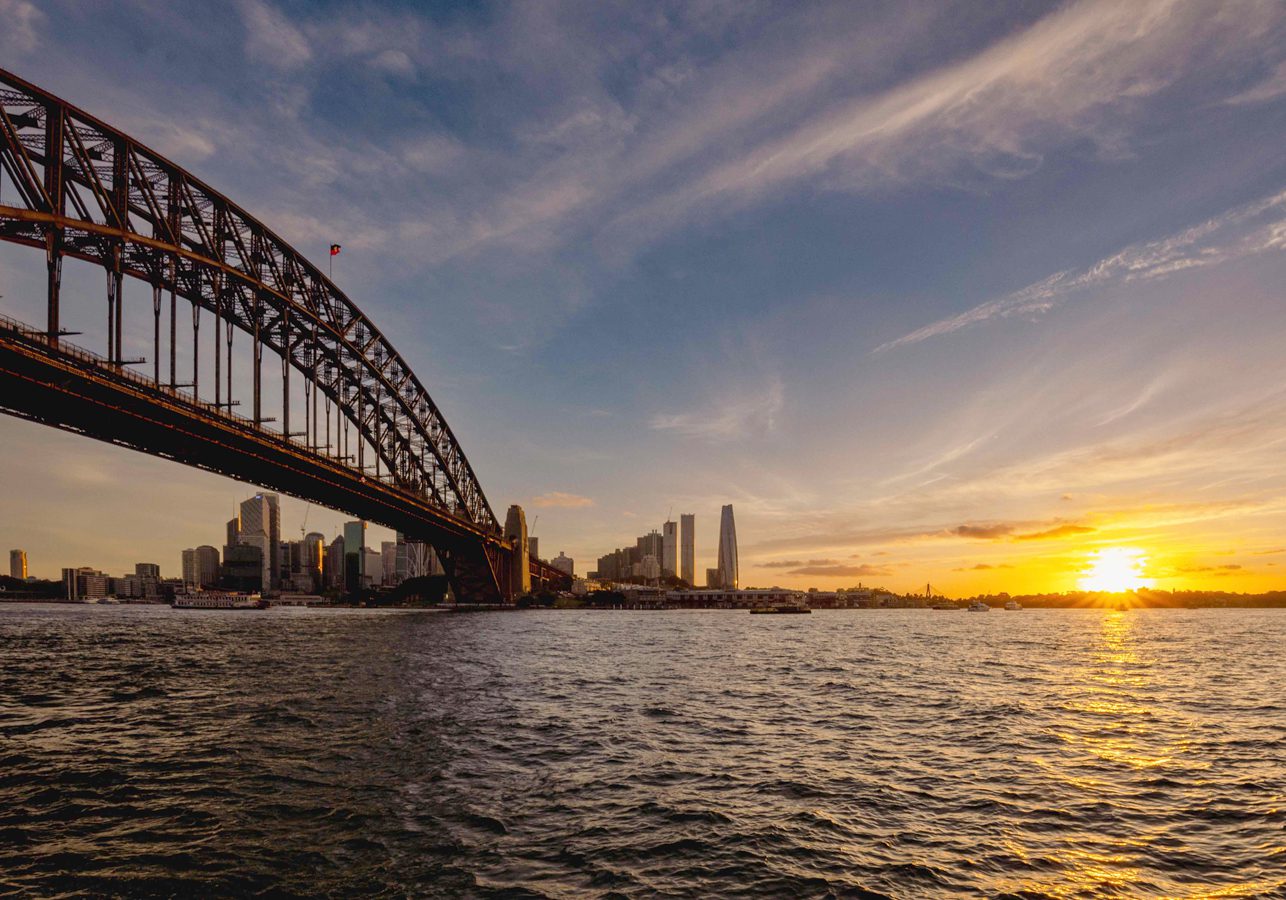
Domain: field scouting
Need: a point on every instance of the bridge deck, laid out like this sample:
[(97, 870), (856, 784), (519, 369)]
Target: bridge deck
[(70, 388)]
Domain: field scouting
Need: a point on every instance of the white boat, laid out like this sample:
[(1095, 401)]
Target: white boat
[(216, 600), (979, 606), (1013, 604)]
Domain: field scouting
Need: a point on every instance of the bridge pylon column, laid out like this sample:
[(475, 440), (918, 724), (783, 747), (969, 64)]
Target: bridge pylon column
[(516, 531)]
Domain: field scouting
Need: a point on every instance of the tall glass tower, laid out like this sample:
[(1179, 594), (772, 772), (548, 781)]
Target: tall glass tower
[(688, 552), (727, 550)]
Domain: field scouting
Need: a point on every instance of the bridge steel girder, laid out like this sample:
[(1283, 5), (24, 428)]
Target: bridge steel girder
[(71, 389), (88, 191)]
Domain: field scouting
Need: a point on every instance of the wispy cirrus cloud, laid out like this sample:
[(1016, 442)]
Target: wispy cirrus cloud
[(842, 571), (728, 416), (561, 500), (797, 563), (1253, 228)]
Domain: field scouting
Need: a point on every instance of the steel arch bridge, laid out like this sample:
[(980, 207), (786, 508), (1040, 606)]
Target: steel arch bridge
[(370, 440)]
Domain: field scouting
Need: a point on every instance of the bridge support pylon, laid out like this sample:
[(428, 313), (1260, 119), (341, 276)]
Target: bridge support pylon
[(520, 574)]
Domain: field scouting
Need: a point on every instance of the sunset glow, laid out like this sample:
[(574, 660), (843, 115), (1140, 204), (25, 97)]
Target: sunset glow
[(1115, 569)]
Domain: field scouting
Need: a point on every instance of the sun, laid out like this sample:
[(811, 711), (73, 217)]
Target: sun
[(1115, 569)]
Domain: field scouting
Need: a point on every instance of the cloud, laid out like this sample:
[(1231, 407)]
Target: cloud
[(989, 532), (796, 563), (729, 417), (842, 571), (980, 567), (1189, 570), (561, 500), (1270, 88), (271, 39), (1253, 228), (1076, 74), (1060, 531), (22, 22)]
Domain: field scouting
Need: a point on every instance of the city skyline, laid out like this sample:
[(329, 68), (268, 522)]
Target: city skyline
[(930, 296)]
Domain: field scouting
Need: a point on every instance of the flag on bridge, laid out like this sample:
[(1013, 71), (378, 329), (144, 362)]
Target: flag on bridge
[(334, 249)]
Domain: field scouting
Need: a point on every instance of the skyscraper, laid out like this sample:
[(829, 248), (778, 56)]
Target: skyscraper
[(670, 548), (727, 550), (688, 548), (354, 554), (200, 567), (17, 563), (261, 517)]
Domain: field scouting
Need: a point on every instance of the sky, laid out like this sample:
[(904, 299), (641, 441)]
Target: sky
[(958, 293)]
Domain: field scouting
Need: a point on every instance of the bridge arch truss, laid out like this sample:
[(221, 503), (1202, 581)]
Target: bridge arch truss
[(82, 189)]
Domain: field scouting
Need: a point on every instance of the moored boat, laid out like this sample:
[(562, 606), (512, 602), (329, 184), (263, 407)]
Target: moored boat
[(979, 606), (1013, 604)]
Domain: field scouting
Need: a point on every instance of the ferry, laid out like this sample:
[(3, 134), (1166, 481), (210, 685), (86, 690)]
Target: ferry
[(215, 600), (979, 606), (1013, 604)]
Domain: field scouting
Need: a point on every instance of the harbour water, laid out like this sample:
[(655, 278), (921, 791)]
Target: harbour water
[(902, 753)]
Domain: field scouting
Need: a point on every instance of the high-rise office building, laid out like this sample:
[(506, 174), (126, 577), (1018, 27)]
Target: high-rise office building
[(712, 579), (688, 548), (234, 531), (333, 571), (727, 550), (650, 544), (200, 567), (261, 516), (388, 563), (670, 548), (354, 554), (18, 564)]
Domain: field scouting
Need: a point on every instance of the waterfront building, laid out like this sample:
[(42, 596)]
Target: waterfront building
[(85, 583), (147, 570), (712, 579), (670, 548), (688, 548), (261, 527), (18, 564), (727, 550), (200, 567), (564, 563)]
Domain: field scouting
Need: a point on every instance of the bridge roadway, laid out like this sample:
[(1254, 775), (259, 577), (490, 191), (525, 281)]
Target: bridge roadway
[(58, 384)]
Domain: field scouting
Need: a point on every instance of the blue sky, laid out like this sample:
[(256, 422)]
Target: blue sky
[(949, 292)]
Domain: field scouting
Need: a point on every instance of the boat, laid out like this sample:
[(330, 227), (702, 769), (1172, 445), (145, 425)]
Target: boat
[(780, 609), (944, 604), (979, 606), (216, 600), (1013, 604)]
